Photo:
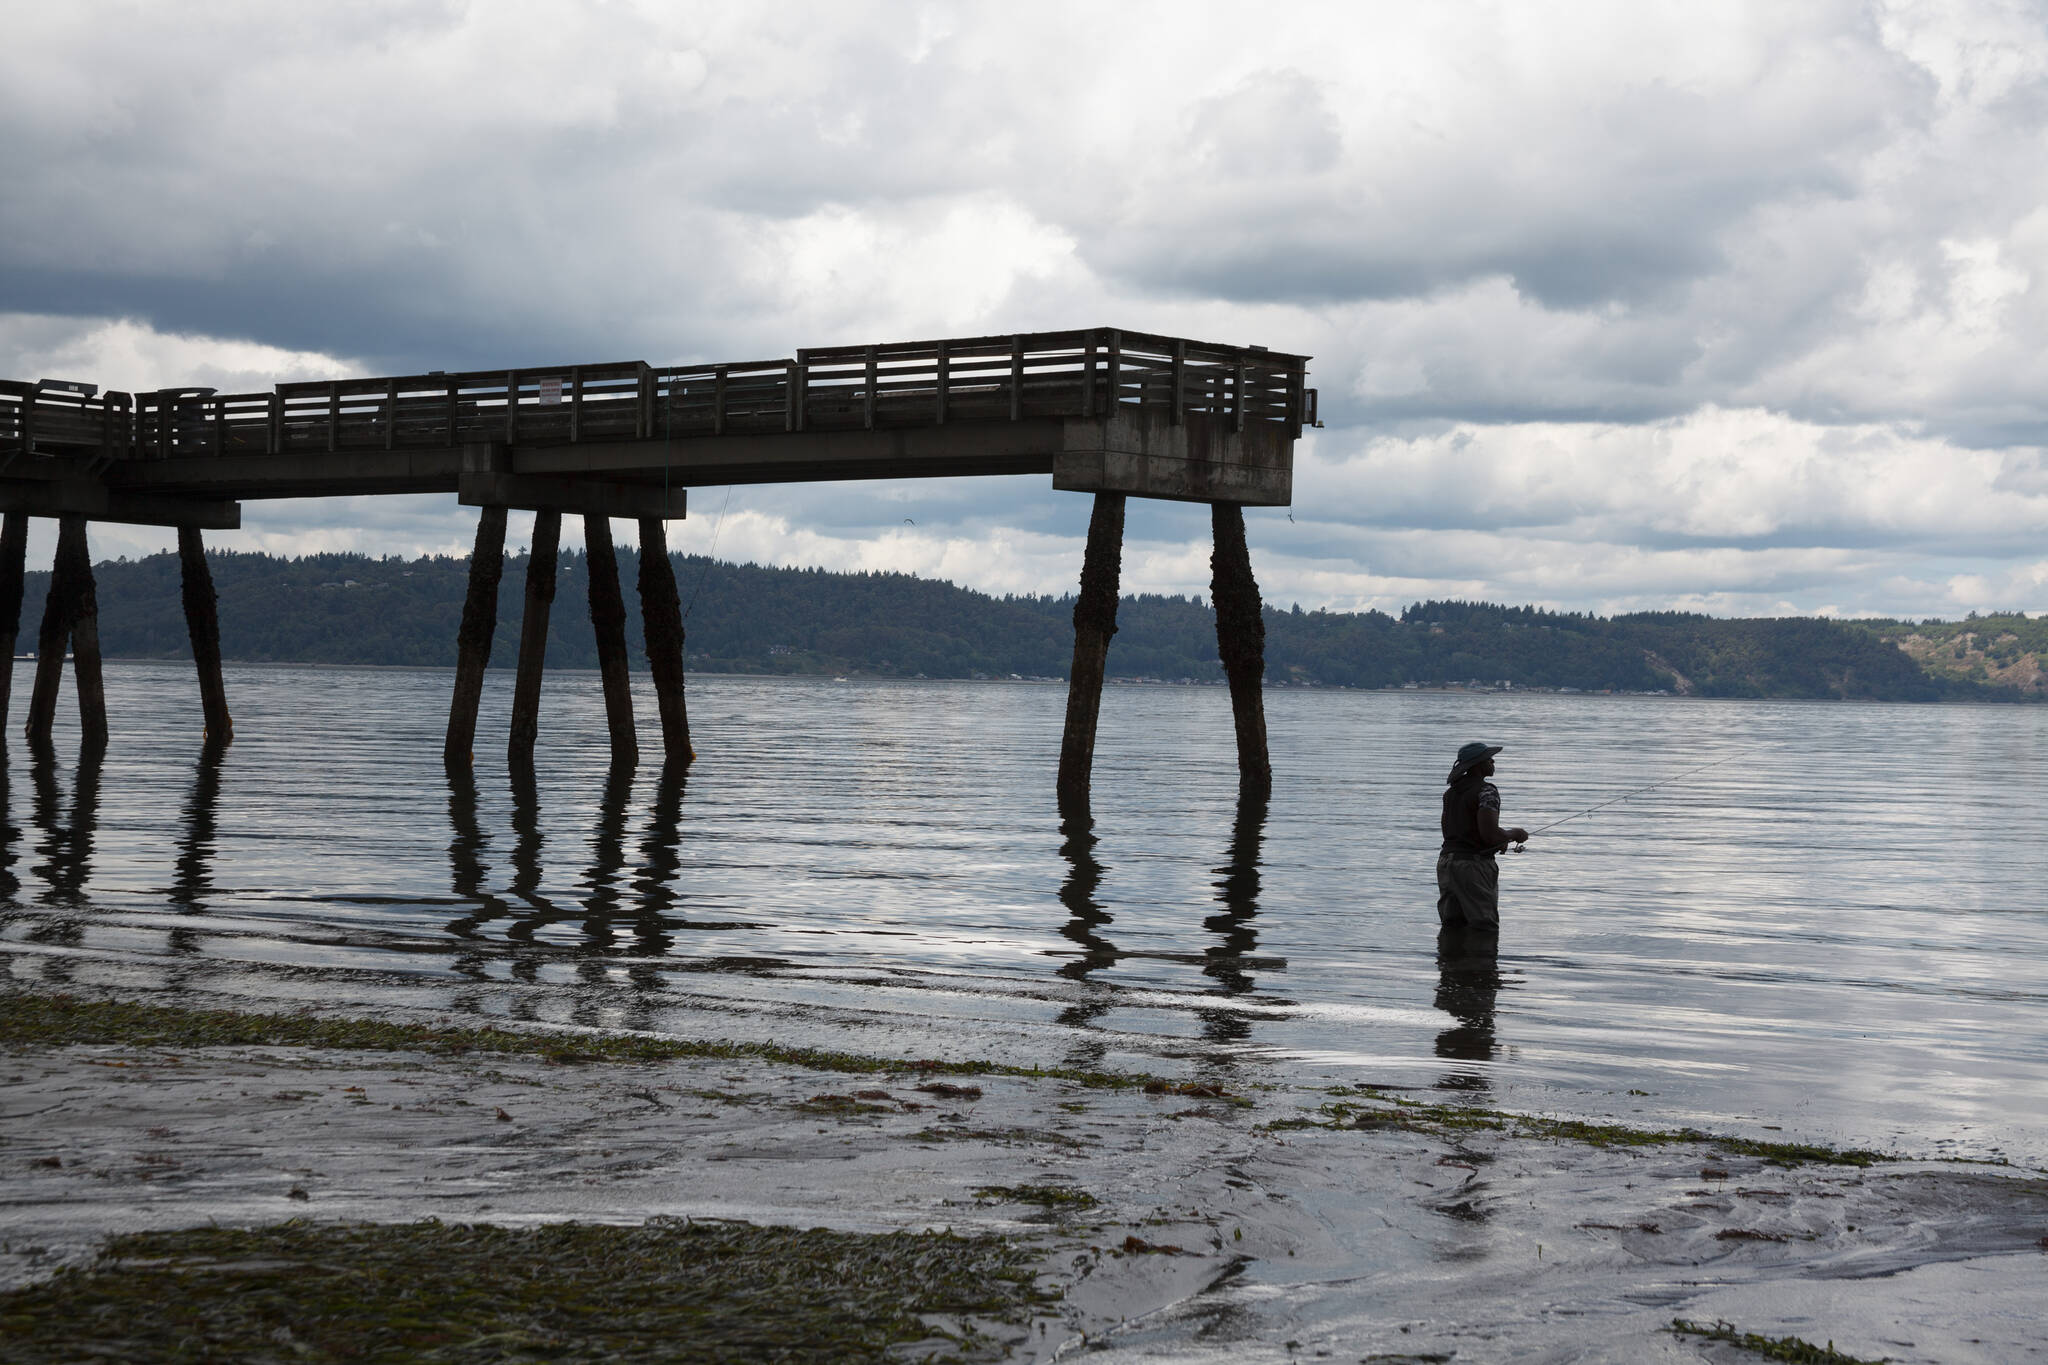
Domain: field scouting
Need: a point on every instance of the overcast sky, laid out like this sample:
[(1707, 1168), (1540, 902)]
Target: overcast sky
[(1739, 308)]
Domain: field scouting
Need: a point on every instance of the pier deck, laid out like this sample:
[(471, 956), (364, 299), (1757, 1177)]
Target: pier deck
[(1098, 409)]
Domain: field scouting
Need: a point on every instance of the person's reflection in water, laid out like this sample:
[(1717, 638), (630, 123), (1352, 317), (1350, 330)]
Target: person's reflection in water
[(192, 871), (1468, 980), (1087, 917), (1237, 890)]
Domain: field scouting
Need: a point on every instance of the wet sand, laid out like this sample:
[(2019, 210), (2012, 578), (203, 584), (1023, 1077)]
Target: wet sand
[(1286, 1243)]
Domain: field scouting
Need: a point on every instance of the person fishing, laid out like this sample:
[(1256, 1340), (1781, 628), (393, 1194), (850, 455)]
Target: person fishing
[(1467, 879)]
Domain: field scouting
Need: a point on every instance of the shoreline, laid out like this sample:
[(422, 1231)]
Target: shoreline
[(1360, 1222)]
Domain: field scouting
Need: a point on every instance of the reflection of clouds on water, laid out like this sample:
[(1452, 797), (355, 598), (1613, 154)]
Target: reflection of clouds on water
[(1468, 981)]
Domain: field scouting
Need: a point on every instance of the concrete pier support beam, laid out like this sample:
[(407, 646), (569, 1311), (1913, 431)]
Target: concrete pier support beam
[(13, 564), (608, 622), (1241, 643), (51, 639), (85, 639), (1094, 624), (70, 617), (661, 613), (533, 635), (473, 640), (202, 622)]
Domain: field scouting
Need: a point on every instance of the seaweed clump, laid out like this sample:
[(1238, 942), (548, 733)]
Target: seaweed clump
[(1798, 1351), (1047, 1196), (667, 1290), (1450, 1120), (28, 1019)]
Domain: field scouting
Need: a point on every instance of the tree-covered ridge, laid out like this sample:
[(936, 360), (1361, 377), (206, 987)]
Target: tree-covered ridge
[(351, 609)]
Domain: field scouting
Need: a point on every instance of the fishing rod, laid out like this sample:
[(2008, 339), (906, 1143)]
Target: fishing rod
[(1614, 800)]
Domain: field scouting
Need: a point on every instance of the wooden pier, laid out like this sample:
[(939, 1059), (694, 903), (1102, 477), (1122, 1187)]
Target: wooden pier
[(1117, 414)]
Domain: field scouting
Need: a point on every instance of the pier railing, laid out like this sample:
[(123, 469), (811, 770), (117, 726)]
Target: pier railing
[(1091, 373)]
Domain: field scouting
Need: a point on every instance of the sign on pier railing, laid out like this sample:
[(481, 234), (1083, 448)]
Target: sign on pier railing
[(1086, 374)]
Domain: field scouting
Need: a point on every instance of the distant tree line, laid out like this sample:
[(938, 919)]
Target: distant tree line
[(352, 609)]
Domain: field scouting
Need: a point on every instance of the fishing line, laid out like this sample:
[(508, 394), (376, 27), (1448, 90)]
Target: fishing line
[(1662, 782), (668, 441), (705, 572)]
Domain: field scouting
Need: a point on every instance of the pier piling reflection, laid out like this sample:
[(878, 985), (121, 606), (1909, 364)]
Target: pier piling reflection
[(192, 870), (624, 908), (653, 887), (67, 841), (1229, 958), (64, 849), (1086, 919), (468, 873)]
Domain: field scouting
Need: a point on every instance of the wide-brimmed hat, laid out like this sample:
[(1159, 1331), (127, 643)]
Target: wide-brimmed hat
[(1474, 753)]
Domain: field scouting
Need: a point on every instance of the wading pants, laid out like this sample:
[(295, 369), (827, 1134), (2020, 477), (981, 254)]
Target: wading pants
[(1468, 891)]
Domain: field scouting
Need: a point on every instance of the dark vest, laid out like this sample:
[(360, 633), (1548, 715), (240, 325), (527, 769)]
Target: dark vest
[(1462, 800)]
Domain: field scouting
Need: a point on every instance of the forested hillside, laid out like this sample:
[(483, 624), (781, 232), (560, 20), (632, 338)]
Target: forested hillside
[(348, 609)]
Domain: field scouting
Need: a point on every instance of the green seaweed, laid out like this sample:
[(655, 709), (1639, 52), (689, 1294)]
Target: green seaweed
[(1001, 1135), (1446, 1119), (667, 1290), (840, 1106), (28, 1019), (1048, 1196), (1770, 1348)]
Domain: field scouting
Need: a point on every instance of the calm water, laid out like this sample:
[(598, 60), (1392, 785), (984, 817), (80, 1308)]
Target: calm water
[(1840, 931)]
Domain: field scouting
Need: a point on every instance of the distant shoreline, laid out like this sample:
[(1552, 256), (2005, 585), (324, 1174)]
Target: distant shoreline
[(350, 610), (1586, 694)]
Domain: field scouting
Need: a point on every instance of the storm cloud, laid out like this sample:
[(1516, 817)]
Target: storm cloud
[(1736, 307)]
